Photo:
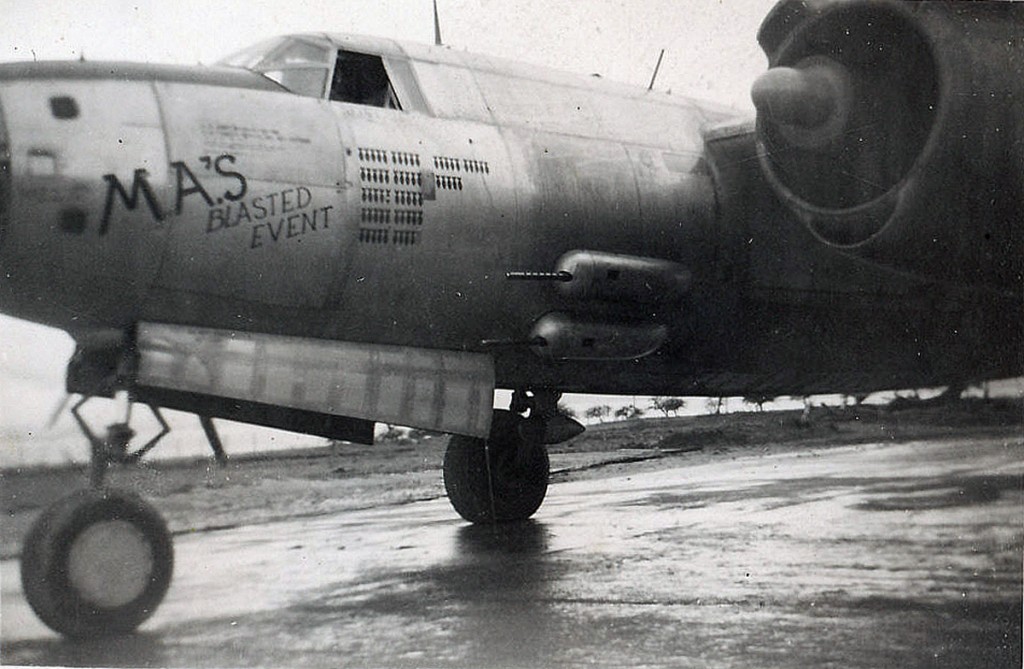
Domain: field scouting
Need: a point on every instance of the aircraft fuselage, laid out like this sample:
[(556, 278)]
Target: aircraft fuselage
[(213, 197)]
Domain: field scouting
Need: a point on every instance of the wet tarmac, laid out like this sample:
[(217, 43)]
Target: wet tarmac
[(899, 555)]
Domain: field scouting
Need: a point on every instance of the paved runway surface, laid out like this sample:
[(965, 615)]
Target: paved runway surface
[(904, 555)]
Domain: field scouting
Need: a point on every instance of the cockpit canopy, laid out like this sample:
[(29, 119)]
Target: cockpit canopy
[(316, 68)]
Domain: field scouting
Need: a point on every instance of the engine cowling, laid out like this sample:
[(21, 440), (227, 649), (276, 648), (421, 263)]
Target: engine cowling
[(896, 131)]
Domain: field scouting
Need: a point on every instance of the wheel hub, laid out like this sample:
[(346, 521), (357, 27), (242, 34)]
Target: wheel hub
[(110, 563)]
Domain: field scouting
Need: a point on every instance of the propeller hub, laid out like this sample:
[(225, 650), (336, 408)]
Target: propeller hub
[(811, 100)]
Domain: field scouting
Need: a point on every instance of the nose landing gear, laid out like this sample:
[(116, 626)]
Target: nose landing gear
[(99, 561)]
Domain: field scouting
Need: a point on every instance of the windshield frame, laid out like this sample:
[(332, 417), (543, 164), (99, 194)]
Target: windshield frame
[(266, 59)]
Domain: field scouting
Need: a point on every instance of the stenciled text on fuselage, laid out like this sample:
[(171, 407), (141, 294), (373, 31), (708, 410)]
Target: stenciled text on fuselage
[(283, 214)]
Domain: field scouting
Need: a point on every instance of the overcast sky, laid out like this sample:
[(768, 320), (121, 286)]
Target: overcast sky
[(710, 52), (710, 45)]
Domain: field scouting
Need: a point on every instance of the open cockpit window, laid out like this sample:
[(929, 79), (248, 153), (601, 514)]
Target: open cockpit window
[(361, 79)]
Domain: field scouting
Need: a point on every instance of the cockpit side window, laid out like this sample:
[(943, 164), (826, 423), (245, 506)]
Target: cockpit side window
[(361, 79), (299, 65), (308, 81)]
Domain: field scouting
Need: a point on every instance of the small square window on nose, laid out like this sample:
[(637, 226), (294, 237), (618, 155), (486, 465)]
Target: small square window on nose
[(64, 107), (72, 221)]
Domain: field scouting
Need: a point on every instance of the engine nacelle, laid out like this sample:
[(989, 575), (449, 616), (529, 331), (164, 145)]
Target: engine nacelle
[(896, 131)]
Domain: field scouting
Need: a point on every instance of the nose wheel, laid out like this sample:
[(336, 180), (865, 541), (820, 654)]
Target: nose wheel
[(97, 563)]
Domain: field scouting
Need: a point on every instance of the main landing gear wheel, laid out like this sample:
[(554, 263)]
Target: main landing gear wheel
[(97, 563), (518, 471)]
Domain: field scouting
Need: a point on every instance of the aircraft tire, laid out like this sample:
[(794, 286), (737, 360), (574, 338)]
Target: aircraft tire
[(519, 487), (97, 563)]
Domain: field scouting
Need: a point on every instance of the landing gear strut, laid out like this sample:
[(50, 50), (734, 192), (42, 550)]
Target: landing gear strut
[(112, 448), (505, 477)]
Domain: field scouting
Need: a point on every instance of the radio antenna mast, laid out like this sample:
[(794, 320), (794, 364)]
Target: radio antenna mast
[(656, 67), (437, 26)]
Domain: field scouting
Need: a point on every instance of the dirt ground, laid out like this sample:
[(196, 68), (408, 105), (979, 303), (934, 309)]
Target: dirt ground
[(198, 495)]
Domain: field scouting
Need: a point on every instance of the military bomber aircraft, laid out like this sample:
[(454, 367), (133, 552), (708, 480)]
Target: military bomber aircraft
[(327, 231)]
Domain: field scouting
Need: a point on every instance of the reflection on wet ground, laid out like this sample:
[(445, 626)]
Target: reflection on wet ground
[(890, 494), (945, 493), (902, 555)]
